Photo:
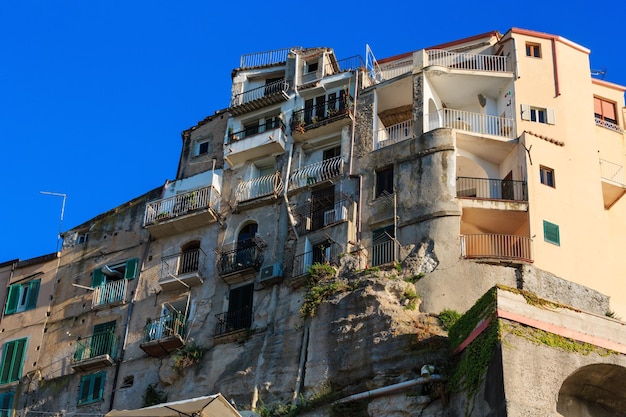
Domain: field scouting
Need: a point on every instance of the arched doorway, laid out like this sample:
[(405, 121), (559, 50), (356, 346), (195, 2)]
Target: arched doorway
[(246, 246), (190, 257)]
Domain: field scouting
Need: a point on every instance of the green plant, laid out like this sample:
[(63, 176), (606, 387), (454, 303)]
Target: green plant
[(414, 278), (319, 293), (398, 266), (411, 296), (448, 318), (611, 314), (188, 356), (319, 271), (153, 396)]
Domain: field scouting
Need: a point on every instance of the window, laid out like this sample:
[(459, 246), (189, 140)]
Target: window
[(81, 238), (22, 297), (384, 182), (91, 388), (604, 110), (538, 114), (311, 67), (108, 273), (12, 360), (6, 403), (533, 50), (203, 148), (551, 233), (383, 246), (547, 176)]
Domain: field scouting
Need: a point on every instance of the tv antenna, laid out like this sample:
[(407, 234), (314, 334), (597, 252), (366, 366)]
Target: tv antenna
[(599, 73), (62, 212)]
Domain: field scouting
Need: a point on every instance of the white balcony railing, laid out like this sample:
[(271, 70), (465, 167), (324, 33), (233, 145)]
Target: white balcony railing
[(317, 172), (473, 62), (612, 172), (483, 124), (181, 204), (608, 125), (491, 245), (394, 134), (396, 68), (259, 187), (110, 293)]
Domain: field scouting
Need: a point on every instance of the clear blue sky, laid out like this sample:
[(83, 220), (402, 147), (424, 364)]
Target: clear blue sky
[(94, 94)]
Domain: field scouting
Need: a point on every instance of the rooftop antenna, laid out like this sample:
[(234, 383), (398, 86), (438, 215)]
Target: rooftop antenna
[(599, 73), (62, 212)]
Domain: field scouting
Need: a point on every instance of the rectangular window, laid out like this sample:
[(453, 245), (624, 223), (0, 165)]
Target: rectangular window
[(82, 238), (312, 67), (384, 182), (538, 114), (22, 297), (6, 404), (604, 110), (547, 176), (203, 147), (114, 272), (91, 388), (13, 353), (551, 233), (533, 50)]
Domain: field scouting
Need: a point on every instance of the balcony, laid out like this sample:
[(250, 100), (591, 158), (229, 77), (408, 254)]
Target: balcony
[(182, 271), (164, 335), (255, 142), (496, 246), (265, 58), (232, 323), (95, 352), (394, 134), (491, 189), (475, 123), (608, 124), (394, 69), (316, 173), (613, 185), (384, 251), (328, 254), (257, 98), (317, 215), (110, 293), (182, 212), (467, 62), (243, 262), (321, 119), (258, 190), (331, 68)]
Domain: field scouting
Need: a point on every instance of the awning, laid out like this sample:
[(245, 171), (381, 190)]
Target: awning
[(209, 406)]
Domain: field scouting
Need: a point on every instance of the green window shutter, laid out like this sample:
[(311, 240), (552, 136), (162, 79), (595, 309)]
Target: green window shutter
[(131, 268), (12, 299), (83, 392), (91, 388), (551, 233), (12, 360), (97, 278), (98, 386), (33, 292), (6, 403)]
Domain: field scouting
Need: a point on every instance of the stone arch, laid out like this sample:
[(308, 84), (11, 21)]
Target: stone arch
[(594, 391)]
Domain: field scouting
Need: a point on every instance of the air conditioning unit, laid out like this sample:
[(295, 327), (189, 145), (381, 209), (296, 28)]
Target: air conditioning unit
[(271, 274)]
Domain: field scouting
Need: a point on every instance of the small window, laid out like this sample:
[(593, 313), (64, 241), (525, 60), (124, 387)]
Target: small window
[(22, 297), (538, 114), (533, 50), (604, 110), (384, 182), (127, 383), (203, 148), (547, 176), (6, 403), (551, 233), (13, 353), (91, 388), (311, 67)]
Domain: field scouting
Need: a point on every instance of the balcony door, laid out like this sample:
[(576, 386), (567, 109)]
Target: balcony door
[(190, 257), (245, 246), (322, 202), (102, 342), (240, 307), (507, 187)]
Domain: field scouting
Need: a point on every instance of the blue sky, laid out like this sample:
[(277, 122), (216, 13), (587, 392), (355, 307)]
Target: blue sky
[(94, 94)]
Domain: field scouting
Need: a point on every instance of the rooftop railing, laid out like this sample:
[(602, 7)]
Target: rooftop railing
[(491, 189), (395, 68), (165, 326), (498, 246), (181, 204), (463, 61), (276, 87), (259, 59), (234, 320), (259, 187), (612, 172), (96, 345), (483, 124), (315, 173), (394, 134)]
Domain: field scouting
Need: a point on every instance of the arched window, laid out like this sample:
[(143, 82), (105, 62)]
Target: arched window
[(246, 245)]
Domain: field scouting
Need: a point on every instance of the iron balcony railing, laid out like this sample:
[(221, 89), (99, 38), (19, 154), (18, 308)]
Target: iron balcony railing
[(328, 110), (248, 254), (182, 263), (232, 321), (612, 172), (385, 250), (328, 254), (259, 187), (276, 87), (473, 122), (173, 324), (315, 173), (182, 204), (319, 214), (608, 125), (110, 293), (473, 62), (395, 69), (97, 345), (259, 59), (394, 134), (491, 189), (255, 130), (498, 246)]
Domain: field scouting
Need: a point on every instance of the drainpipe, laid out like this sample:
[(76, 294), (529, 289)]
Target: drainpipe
[(556, 71), (303, 355), (356, 92), (390, 388)]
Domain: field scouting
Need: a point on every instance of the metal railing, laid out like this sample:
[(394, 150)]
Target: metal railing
[(608, 125), (259, 59), (181, 204), (612, 172), (328, 110), (315, 173), (259, 187), (110, 293), (96, 345), (248, 254), (182, 263), (491, 189), (396, 68), (384, 251), (327, 254), (394, 134), (233, 320), (266, 90), (252, 131), (472, 122), (497, 246), (173, 324), (474, 62), (316, 215)]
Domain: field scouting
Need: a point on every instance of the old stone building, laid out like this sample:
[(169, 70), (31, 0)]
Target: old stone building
[(320, 228)]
